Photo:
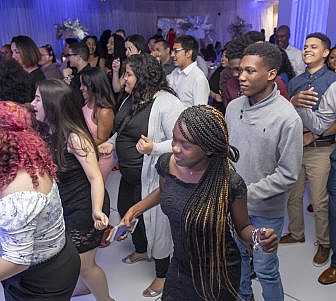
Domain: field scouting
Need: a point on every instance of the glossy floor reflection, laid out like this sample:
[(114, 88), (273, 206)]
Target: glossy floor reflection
[(126, 282)]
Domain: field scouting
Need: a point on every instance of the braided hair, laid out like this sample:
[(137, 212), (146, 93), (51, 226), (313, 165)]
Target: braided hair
[(205, 217)]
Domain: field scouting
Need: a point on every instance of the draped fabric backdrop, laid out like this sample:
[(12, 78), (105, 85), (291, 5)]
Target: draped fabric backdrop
[(36, 18), (307, 16)]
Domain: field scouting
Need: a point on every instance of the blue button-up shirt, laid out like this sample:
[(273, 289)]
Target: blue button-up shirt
[(320, 80)]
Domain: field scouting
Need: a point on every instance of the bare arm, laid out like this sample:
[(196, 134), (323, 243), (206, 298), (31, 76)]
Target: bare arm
[(150, 201), (105, 119), (9, 269), (85, 154)]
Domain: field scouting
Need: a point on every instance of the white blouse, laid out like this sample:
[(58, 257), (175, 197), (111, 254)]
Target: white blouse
[(32, 227)]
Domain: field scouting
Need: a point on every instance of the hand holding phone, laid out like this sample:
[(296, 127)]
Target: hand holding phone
[(121, 231)]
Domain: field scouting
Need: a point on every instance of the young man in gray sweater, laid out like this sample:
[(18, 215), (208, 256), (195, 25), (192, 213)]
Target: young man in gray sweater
[(267, 131)]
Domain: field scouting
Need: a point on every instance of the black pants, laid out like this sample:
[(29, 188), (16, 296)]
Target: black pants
[(129, 195), (161, 267), (52, 280)]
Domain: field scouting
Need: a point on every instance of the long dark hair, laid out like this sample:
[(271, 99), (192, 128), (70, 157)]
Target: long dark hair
[(119, 51), (205, 217), (97, 82), (286, 66), (64, 116), (150, 79)]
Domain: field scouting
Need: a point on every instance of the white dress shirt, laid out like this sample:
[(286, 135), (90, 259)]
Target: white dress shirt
[(190, 84), (295, 57)]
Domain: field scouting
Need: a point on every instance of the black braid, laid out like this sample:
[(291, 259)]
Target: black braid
[(206, 215)]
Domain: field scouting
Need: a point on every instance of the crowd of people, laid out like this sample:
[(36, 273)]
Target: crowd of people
[(210, 161)]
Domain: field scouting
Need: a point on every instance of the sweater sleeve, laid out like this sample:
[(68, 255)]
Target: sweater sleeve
[(320, 120), (290, 149), (170, 111)]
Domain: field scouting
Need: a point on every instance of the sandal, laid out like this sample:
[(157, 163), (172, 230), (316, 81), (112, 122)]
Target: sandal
[(150, 292), (135, 257)]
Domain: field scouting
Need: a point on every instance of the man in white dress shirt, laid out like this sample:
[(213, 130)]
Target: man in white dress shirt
[(294, 54), (188, 80)]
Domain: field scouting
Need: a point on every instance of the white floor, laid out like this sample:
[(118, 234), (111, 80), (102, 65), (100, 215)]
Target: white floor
[(126, 282)]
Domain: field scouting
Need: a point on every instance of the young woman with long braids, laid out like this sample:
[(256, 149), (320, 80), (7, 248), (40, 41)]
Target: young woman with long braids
[(144, 125), (203, 198)]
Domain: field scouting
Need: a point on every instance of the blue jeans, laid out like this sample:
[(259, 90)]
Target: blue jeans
[(332, 207), (266, 265)]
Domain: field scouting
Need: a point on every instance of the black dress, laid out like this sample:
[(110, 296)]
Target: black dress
[(174, 195), (75, 193)]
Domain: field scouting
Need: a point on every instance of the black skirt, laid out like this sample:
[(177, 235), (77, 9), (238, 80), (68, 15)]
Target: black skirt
[(52, 280)]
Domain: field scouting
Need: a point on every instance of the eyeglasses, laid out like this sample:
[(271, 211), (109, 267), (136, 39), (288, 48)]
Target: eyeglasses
[(176, 50)]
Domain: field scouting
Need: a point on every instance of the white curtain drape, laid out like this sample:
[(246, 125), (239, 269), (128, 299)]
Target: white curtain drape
[(36, 18), (308, 16)]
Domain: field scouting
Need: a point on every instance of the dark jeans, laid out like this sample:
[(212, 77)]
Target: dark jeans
[(332, 207)]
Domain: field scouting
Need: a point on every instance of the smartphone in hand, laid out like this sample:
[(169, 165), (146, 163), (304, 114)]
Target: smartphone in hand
[(122, 230)]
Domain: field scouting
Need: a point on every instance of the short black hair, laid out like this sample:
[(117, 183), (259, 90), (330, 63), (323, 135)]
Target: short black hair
[(235, 48), (254, 36), (70, 41), (322, 37), (164, 43), (270, 53), (81, 49), (284, 27), (189, 43)]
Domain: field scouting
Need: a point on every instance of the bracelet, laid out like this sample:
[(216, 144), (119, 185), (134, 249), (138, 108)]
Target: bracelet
[(256, 237)]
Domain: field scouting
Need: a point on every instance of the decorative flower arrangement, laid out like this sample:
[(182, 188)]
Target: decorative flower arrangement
[(196, 25), (238, 27), (70, 29)]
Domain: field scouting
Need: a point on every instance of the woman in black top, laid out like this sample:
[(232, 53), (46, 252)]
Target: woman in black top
[(27, 54), (205, 200), (84, 199)]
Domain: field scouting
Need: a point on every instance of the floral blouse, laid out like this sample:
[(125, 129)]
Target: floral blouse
[(32, 226)]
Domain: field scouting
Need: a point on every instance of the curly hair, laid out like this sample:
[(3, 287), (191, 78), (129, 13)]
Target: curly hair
[(21, 148), (15, 82), (270, 54), (235, 48), (150, 79)]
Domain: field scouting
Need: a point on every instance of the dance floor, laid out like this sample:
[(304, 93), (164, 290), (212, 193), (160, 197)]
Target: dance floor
[(126, 282)]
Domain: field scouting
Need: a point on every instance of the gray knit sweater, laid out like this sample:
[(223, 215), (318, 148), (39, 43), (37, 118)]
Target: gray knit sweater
[(269, 138)]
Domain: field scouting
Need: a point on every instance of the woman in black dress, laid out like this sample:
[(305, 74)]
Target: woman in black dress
[(84, 199), (205, 201), (27, 54)]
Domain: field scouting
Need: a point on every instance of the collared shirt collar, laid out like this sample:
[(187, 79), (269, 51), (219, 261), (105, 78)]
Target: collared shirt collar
[(188, 69), (317, 74)]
